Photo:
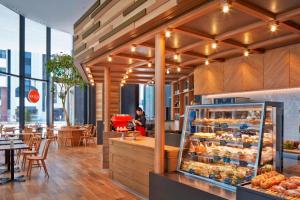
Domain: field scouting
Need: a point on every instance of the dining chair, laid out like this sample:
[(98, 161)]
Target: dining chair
[(50, 135), (86, 136), (35, 148), (39, 159)]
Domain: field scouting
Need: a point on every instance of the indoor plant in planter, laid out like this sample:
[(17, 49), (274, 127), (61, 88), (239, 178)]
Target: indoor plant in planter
[(65, 74)]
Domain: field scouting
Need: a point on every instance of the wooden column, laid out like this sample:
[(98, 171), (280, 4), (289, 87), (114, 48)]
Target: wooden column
[(106, 99), (159, 103)]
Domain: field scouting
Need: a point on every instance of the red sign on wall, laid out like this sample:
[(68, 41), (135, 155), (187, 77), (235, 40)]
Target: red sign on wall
[(33, 96)]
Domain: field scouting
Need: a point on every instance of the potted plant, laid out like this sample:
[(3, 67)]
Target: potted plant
[(65, 74)]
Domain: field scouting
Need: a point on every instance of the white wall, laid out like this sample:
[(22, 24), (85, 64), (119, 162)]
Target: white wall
[(291, 100)]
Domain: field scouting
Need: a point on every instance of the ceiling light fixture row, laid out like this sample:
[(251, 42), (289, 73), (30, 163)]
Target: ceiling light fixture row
[(109, 58), (149, 64)]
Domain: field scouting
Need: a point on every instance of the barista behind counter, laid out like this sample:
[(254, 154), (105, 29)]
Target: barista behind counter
[(140, 121)]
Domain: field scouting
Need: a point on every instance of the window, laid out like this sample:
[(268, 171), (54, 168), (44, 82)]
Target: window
[(2, 54), (35, 113), (35, 47)]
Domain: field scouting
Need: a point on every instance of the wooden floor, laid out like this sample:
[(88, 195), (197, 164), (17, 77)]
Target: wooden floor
[(74, 174)]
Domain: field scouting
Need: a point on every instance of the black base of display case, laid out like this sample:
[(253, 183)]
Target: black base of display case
[(245, 193), (177, 186)]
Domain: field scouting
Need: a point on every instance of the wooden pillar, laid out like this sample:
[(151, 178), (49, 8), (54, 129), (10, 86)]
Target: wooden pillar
[(159, 104), (106, 99)]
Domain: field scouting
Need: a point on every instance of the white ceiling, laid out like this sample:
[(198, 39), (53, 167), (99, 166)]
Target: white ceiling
[(58, 14)]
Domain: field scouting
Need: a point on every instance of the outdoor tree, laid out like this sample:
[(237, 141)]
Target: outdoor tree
[(65, 74)]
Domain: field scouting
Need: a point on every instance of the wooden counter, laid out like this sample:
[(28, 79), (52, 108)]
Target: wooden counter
[(131, 161)]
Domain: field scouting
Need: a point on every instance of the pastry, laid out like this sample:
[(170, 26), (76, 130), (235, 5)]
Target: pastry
[(278, 188), (292, 193)]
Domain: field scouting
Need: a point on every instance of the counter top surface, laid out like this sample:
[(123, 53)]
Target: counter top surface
[(143, 141)]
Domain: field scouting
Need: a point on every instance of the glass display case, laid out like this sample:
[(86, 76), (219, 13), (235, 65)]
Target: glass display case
[(229, 144)]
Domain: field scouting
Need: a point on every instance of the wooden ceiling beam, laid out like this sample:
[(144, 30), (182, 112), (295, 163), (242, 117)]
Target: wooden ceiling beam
[(288, 15), (268, 16), (204, 36), (274, 41), (193, 33), (292, 27), (191, 46), (240, 30), (172, 50), (253, 10)]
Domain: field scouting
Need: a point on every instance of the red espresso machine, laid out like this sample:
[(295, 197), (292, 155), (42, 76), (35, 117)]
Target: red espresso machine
[(122, 123)]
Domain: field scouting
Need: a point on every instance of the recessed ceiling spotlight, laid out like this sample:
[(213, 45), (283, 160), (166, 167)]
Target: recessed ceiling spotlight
[(214, 45), (92, 84), (90, 76), (246, 53), (178, 69), (133, 48), (129, 70), (87, 69), (126, 77), (123, 81), (168, 33), (168, 71), (207, 62), (176, 56), (225, 7), (122, 84), (149, 64), (130, 60), (109, 58), (273, 27)]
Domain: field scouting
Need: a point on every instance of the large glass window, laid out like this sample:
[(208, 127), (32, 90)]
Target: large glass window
[(9, 64), (35, 103), (35, 50)]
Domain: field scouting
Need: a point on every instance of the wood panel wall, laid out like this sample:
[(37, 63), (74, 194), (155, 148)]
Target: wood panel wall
[(276, 69), (99, 101), (109, 19), (114, 105)]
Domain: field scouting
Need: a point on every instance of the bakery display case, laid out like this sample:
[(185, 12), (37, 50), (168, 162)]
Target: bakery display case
[(229, 144)]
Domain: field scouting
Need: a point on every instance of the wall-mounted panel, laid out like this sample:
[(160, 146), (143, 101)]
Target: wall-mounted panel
[(295, 66), (276, 69)]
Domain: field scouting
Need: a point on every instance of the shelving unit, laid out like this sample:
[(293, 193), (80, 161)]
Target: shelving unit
[(183, 95)]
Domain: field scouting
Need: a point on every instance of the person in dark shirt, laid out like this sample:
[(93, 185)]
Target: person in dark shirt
[(140, 121)]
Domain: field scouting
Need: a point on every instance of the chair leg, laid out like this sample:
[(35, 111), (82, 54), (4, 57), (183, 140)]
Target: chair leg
[(24, 161), (45, 168), (29, 169)]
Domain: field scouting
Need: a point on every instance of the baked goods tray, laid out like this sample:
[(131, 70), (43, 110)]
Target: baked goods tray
[(247, 192)]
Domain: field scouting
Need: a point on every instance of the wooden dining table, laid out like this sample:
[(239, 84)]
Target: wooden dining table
[(76, 133), (10, 158)]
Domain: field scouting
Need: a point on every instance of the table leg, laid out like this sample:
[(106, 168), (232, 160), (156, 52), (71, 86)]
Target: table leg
[(12, 164)]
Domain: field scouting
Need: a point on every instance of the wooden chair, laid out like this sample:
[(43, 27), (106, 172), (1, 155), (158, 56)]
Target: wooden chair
[(87, 136), (35, 148), (39, 158), (27, 139), (50, 135)]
